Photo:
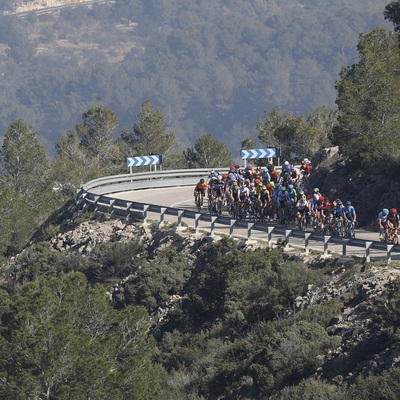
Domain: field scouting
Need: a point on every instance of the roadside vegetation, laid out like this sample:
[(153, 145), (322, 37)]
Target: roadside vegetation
[(233, 329)]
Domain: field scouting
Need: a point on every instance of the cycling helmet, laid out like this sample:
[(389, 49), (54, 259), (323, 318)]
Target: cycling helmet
[(339, 202), (348, 203), (290, 187), (283, 188), (201, 180), (385, 211), (316, 190), (260, 184), (286, 163), (264, 187), (393, 210), (272, 183)]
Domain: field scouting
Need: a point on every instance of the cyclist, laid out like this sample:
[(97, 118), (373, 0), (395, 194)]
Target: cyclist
[(217, 189), (292, 193), (305, 168), (393, 222), (283, 201), (286, 167), (294, 174), (200, 189), (338, 217), (382, 222), (316, 208), (233, 196), (265, 176), (351, 217), (273, 172), (302, 208)]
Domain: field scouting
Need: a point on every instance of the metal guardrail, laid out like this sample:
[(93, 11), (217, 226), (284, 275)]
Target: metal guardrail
[(93, 195)]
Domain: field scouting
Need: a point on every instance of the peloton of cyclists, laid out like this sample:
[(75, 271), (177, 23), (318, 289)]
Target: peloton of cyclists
[(267, 188)]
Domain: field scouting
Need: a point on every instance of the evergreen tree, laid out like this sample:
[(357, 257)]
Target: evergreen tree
[(297, 137), (150, 135), (61, 339), (95, 133), (392, 13), (208, 152), (369, 102), (24, 166)]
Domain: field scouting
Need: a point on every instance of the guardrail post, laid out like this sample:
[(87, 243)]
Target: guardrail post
[(232, 224), (111, 208), (162, 214), (287, 235), (96, 199), (213, 219), (145, 208), (326, 242), (307, 242), (249, 228), (128, 209), (389, 248), (344, 247), (197, 222), (180, 212), (368, 251), (270, 229)]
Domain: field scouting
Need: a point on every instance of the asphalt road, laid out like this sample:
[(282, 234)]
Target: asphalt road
[(182, 197)]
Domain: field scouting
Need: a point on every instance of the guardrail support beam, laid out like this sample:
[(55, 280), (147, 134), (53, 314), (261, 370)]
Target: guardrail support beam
[(213, 219), (307, 242), (180, 213), (326, 243), (145, 213), (368, 251), (344, 247), (249, 228), (270, 230), (197, 222), (389, 253), (287, 236), (231, 226), (162, 214)]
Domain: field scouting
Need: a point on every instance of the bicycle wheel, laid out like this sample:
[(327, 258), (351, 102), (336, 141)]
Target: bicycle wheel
[(198, 202)]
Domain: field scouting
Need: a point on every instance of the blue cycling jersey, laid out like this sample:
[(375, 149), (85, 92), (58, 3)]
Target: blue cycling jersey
[(338, 211), (350, 213)]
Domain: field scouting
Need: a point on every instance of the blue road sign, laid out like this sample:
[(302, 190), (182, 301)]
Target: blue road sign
[(144, 160), (260, 153)]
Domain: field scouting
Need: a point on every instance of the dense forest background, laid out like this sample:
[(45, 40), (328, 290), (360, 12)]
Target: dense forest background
[(212, 66)]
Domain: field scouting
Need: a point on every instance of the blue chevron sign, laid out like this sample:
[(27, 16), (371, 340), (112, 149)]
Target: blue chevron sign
[(144, 160), (260, 153)]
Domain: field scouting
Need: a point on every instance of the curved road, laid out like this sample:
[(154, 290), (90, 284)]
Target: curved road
[(182, 197)]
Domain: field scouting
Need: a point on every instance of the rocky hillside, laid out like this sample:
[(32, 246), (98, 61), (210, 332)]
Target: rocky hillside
[(355, 289)]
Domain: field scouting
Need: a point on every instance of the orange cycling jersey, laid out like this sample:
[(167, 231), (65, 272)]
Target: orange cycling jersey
[(201, 186)]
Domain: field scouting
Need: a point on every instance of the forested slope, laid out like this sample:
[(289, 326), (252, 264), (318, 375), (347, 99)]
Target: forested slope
[(213, 66)]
